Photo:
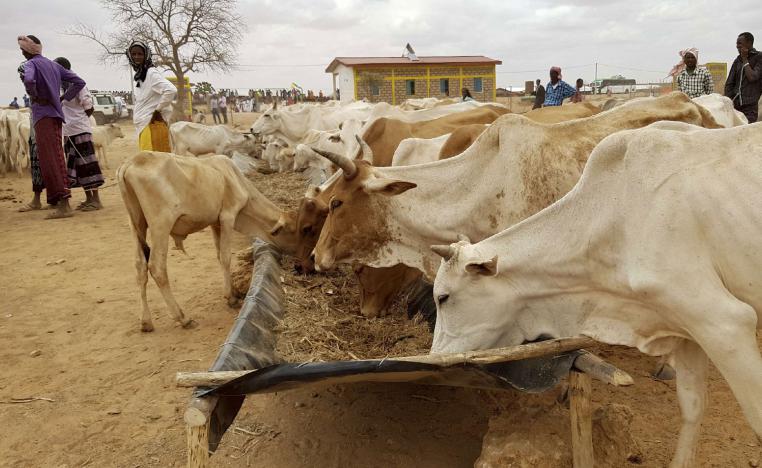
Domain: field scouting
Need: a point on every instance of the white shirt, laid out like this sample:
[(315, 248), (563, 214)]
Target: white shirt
[(223, 102), (76, 121), (155, 93)]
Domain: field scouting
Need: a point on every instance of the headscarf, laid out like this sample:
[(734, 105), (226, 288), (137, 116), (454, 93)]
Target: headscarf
[(140, 70), (558, 69), (679, 67), (29, 46)]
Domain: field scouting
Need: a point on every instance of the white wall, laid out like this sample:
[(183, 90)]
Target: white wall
[(345, 82)]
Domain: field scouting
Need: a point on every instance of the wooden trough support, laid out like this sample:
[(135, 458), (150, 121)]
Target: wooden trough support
[(586, 366), (207, 418)]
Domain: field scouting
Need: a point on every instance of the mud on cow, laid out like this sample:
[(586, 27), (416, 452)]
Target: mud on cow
[(657, 247), (176, 196)]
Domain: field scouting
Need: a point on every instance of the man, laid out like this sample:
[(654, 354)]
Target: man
[(223, 103), (26, 100), (215, 107), (692, 80), (42, 80), (82, 164), (557, 89), (744, 84), (578, 96), (539, 96), (14, 104)]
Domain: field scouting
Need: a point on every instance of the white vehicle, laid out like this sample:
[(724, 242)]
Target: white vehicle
[(104, 108)]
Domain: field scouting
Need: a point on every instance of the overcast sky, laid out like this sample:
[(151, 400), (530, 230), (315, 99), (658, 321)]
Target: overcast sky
[(293, 41)]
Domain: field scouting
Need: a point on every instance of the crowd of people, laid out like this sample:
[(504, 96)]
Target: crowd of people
[(743, 85)]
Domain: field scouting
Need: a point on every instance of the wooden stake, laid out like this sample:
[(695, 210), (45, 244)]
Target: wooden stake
[(581, 419), (197, 416), (487, 356)]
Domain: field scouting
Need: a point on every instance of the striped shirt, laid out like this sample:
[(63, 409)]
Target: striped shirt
[(556, 93), (697, 83)]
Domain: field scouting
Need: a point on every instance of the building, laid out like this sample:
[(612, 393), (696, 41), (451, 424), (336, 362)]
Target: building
[(394, 79)]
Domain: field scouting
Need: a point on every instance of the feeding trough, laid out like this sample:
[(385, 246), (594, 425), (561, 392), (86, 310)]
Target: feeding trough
[(248, 364)]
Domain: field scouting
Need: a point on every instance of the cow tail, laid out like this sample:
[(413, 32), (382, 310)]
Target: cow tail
[(138, 220)]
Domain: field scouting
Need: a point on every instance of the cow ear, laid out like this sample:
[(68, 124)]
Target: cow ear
[(488, 268), (388, 187)]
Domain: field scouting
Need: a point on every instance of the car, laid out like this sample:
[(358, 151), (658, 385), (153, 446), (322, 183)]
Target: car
[(104, 108)]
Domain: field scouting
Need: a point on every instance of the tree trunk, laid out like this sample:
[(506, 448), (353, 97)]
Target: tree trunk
[(178, 112)]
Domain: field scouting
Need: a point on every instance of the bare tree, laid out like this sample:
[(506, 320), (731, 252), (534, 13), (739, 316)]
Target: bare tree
[(184, 35)]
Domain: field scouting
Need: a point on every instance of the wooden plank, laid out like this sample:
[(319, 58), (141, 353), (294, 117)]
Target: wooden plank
[(198, 446), (487, 356), (581, 419)]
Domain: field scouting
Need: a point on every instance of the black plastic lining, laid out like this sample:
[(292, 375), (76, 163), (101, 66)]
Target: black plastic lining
[(251, 341)]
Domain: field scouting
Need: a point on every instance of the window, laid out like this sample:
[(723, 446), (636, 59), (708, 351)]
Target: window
[(104, 100), (410, 87), (444, 86), (478, 85), (375, 90)]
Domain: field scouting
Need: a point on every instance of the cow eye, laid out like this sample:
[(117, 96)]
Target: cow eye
[(442, 298), (335, 138), (307, 230), (335, 204)]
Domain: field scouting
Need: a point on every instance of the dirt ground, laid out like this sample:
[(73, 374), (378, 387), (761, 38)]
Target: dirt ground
[(70, 337)]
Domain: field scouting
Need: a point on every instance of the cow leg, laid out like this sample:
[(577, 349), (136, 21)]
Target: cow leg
[(141, 267), (157, 265), (222, 241), (691, 366)]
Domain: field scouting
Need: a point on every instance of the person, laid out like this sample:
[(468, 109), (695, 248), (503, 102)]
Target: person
[(223, 103), (42, 81), (26, 100), (693, 80), (744, 83), (539, 96), (557, 90), (34, 165), (81, 162), (215, 107), (578, 96), (153, 100), (14, 104), (466, 95)]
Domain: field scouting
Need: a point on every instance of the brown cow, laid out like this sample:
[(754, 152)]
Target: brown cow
[(176, 196)]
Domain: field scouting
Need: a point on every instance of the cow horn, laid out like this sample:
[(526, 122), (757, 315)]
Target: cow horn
[(346, 164), (364, 152), (444, 251), (463, 238)]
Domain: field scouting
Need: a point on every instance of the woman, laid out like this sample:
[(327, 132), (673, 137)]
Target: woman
[(466, 95), (153, 100)]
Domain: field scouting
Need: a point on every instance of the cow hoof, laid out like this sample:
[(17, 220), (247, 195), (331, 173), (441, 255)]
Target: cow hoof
[(665, 372), (188, 324), (146, 327)]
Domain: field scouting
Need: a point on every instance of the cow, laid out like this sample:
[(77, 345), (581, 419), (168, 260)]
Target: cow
[(292, 126), (419, 150), (383, 109), (176, 196), (514, 169), (192, 139), (385, 134), (722, 109), (557, 114), (270, 154), (656, 247), (199, 117), (24, 131), (103, 135), (11, 120)]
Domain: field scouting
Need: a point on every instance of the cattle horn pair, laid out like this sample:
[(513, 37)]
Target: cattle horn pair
[(364, 151), (444, 251), (343, 162)]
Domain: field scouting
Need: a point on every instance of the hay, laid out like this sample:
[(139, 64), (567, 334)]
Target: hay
[(323, 320)]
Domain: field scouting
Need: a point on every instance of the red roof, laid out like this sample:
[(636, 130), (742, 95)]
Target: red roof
[(455, 59)]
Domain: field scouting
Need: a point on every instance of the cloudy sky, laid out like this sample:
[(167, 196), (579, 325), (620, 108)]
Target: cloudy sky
[(293, 41)]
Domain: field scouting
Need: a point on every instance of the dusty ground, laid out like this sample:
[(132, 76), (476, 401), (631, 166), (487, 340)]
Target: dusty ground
[(114, 402)]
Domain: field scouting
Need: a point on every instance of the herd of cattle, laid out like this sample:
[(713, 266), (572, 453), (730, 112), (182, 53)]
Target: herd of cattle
[(637, 225), (14, 139)]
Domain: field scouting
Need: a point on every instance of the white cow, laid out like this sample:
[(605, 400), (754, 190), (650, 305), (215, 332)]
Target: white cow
[(11, 121), (272, 149), (722, 109), (24, 129), (103, 135), (192, 139), (418, 150), (342, 141), (514, 169), (293, 126), (657, 247)]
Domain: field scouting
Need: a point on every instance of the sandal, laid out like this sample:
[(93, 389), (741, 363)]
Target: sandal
[(57, 215), (29, 207), (90, 207)]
